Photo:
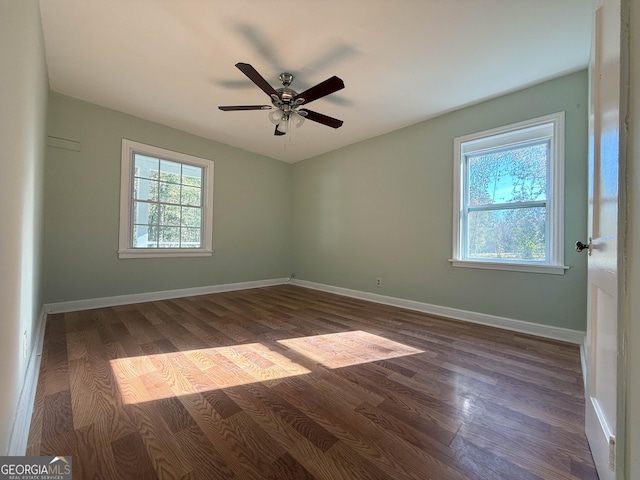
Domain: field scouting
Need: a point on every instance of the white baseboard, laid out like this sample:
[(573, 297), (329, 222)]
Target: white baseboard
[(599, 433), (22, 422), (537, 329), (88, 304)]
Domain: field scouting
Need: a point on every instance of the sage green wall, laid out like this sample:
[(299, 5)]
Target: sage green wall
[(383, 208), (23, 111), (252, 210)]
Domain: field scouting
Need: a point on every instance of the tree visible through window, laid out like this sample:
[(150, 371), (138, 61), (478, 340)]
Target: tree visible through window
[(167, 200), (508, 204)]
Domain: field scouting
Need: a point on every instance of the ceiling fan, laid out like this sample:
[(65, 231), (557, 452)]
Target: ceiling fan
[(285, 102)]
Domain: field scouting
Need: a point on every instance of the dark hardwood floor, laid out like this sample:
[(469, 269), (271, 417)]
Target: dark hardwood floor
[(290, 383)]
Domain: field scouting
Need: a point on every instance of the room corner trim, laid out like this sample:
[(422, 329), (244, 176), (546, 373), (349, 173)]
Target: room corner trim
[(88, 304), (537, 329), (22, 421)]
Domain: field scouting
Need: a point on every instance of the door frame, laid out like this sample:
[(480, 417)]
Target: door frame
[(624, 288)]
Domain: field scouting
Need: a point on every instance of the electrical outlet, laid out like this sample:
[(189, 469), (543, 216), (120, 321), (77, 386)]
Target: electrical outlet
[(378, 282), (24, 345)]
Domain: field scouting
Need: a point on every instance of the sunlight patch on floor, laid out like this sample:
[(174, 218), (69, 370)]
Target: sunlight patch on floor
[(152, 377), (336, 350)]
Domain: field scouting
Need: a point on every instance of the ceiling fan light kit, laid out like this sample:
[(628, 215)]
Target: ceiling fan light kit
[(287, 101), (283, 126)]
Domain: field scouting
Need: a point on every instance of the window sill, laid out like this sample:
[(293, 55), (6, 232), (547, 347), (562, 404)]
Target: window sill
[(513, 267), (164, 253)]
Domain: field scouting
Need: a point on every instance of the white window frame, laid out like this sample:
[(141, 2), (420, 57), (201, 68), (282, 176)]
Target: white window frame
[(125, 248), (548, 127)]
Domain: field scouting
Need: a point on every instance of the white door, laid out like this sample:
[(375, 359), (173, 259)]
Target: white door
[(602, 309)]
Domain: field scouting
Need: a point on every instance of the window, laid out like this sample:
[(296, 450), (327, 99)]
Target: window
[(508, 197), (165, 203)]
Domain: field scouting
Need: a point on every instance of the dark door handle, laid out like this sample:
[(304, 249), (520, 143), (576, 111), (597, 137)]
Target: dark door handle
[(582, 246)]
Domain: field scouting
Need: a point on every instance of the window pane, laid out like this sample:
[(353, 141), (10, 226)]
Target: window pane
[(145, 236), (170, 171), (146, 167), (513, 175), (169, 237), (169, 215), (190, 238), (145, 213), (169, 193), (510, 234), (191, 195), (145, 189), (192, 175), (191, 217)]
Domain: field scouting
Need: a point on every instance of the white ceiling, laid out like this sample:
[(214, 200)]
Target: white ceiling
[(402, 61)]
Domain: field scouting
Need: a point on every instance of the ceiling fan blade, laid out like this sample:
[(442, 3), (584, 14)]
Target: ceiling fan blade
[(322, 89), (278, 132), (231, 108), (256, 78), (320, 118)]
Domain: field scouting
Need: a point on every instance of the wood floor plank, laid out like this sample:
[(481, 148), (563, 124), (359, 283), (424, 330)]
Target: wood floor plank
[(483, 464), (163, 449), (57, 417), (58, 369), (295, 438), (238, 439), (363, 436), (96, 397), (430, 436), (207, 462), (331, 384), (290, 415), (288, 468), (95, 456), (221, 403), (519, 452), (537, 431), (405, 400), (285, 382), (174, 413), (133, 460)]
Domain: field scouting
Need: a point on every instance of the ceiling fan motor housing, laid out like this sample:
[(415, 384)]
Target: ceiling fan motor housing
[(283, 100)]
